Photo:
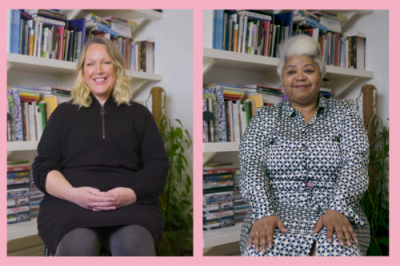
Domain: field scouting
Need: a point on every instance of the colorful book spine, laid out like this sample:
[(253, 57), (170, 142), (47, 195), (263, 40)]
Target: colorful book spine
[(17, 113)]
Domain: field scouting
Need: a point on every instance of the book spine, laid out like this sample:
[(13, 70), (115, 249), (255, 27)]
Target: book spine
[(21, 36), (217, 171), (15, 31), (224, 31), (254, 15), (51, 22), (211, 122), (19, 130), (26, 38), (244, 35), (40, 37), (18, 168)]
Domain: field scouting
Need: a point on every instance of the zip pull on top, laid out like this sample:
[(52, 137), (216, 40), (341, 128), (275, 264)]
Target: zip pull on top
[(102, 112)]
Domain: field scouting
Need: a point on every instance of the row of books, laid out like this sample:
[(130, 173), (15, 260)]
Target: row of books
[(23, 197), (223, 205), (339, 50), (48, 34), (227, 109), (28, 110), (255, 33)]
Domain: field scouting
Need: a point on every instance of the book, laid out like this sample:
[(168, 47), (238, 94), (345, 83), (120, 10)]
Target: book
[(16, 113), (220, 109), (254, 15), (218, 171)]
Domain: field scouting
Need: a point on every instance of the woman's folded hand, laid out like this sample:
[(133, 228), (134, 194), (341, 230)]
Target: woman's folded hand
[(262, 232), (335, 221), (123, 196), (89, 198)]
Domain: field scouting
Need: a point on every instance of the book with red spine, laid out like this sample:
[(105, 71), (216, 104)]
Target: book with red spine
[(218, 171)]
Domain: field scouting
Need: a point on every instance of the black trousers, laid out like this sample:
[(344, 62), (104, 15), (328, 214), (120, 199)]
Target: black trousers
[(130, 240)]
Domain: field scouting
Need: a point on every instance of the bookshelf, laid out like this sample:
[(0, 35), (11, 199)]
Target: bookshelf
[(234, 68), (21, 230), (221, 236), (38, 72)]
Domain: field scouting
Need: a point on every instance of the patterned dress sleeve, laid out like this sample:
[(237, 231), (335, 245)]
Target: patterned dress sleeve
[(252, 156), (352, 181)]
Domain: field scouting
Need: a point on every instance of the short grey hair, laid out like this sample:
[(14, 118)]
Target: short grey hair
[(301, 45)]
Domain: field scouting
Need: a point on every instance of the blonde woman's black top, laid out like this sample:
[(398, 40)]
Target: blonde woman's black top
[(124, 150)]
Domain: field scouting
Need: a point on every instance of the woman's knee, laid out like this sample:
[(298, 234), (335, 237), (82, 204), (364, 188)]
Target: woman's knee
[(131, 240), (79, 242)]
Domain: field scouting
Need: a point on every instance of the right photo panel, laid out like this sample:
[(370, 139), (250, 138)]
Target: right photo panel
[(296, 132)]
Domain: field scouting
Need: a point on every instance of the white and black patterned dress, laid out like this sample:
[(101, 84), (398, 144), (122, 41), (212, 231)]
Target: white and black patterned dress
[(297, 171)]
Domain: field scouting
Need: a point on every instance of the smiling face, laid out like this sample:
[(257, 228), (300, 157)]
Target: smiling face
[(301, 80), (99, 71)]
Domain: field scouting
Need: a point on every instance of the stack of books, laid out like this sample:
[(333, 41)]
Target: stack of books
[(28, 110), (259, 33), (18, 191), (326, 89), (48, 34), (35, 197), (240, 206), (218, 196)]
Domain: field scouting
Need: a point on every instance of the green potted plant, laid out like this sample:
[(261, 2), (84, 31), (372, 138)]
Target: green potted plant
[(375, 200), (174, 202)]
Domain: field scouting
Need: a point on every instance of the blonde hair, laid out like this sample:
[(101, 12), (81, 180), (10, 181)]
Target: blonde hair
[(301, 45), (122, 92)]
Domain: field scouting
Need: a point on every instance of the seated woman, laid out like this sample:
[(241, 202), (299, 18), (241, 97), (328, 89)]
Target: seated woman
[(102, 165), (304, 167)]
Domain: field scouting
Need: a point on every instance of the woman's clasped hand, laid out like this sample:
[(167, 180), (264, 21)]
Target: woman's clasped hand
[(262, 231), (95, 200)]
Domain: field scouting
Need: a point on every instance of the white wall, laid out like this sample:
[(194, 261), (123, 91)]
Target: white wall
[(376, 29), (173, 36)]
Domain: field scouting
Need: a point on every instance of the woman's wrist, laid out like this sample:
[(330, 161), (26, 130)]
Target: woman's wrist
[(70, 194), (132, 196)]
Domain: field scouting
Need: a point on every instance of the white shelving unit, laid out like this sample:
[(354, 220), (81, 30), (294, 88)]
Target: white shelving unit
[(221, 236), (58, 73), (230, 64), (39, 65), (342, 77), (210, 149), (20, 230)]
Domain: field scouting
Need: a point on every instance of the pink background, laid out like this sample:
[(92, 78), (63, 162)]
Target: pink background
[(394, 22)]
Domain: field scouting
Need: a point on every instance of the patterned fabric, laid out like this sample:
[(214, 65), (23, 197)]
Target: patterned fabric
[(297, 171)]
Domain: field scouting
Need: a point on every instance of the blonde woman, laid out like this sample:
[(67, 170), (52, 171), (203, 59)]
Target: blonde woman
[(102, 165)]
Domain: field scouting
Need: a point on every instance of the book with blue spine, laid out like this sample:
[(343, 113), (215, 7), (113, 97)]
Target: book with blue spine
[(15, 20)]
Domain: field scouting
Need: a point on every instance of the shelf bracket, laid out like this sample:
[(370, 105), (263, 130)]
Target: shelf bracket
[(207, 156), (341, 85), (139, 22), (207, 64), (9, 66), (137, 85), (9, 153)]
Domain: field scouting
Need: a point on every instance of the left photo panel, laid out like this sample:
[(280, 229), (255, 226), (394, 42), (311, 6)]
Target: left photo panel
[(99, 132)]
